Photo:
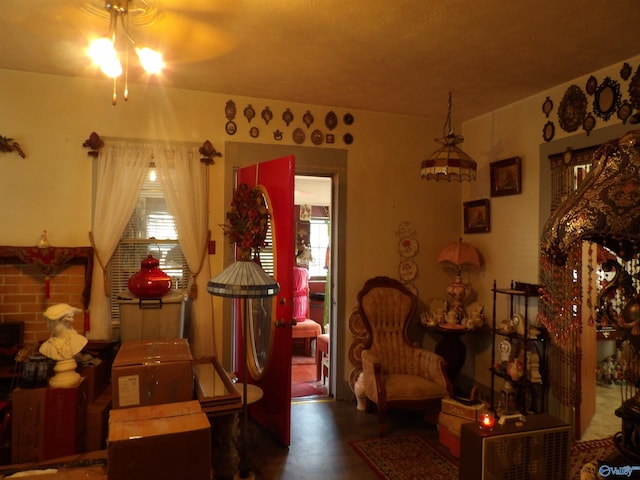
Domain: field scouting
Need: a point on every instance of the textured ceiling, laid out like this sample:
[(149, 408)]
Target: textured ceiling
[(397, 56)]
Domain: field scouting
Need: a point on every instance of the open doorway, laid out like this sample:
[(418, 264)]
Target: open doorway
[(310, 360), (320, 162)]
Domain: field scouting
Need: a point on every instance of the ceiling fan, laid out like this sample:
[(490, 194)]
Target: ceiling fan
[(185, 31)]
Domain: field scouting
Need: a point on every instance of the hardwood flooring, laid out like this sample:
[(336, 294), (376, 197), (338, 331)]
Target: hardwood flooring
[(320, 434)]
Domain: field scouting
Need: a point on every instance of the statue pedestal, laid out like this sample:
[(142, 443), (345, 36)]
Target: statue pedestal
[(65, 374)]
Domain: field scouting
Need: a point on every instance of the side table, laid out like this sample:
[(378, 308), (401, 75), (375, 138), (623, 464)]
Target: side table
[(450, 347)]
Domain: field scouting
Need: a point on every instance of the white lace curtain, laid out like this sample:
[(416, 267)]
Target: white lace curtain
[(121, 169)]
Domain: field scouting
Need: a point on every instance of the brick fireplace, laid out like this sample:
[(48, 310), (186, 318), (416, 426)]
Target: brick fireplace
[(28, 288)]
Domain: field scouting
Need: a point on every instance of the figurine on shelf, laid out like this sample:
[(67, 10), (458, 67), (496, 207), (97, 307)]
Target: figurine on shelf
[(63, 344)]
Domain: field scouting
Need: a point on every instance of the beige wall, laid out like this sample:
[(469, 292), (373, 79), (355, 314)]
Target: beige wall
[(51, 117), (51, 189), (511, 248)]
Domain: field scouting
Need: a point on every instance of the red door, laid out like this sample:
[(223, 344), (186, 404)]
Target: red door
[(270, 324)]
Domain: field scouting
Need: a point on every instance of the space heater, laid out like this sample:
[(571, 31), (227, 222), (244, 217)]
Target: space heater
[(534, 449)]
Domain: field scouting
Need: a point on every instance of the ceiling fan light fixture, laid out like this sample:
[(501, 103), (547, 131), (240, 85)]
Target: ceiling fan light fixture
[(150, 60), (449, 162), (104, 51)]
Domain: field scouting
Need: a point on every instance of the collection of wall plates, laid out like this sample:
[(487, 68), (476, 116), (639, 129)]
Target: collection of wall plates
[(597, 101), (312, 130), (408, 248)]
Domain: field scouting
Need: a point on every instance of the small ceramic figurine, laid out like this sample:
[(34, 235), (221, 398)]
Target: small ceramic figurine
[(475, 317), (452, 317)]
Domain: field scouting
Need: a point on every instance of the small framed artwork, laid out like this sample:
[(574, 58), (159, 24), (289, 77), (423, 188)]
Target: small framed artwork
[(506, 177), (477, 217)]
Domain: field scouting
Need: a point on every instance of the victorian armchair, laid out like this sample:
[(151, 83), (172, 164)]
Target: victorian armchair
[(397, 374)]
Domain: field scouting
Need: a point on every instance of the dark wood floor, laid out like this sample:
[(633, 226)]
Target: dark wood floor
[(320, 436)]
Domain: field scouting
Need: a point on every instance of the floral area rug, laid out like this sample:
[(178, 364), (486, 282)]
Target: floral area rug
[(412, 457), (406, 457), (586, 452)]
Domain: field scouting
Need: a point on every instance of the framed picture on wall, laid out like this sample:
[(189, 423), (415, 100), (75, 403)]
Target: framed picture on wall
[(506, 177), (477, 217)]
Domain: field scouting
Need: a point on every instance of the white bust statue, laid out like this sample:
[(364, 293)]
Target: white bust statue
[(64, 342)]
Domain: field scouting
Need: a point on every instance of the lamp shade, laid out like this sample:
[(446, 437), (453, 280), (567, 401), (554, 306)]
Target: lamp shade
[(243, 279), (458, 256), (449, 162)]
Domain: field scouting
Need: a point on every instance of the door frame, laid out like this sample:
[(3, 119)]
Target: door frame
[(312, 161)]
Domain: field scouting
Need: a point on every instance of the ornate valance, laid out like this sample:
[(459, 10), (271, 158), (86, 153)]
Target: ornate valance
[(50, 260)]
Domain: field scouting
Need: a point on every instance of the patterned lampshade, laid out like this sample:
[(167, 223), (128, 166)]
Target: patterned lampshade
[(449, 162), (243, 279)]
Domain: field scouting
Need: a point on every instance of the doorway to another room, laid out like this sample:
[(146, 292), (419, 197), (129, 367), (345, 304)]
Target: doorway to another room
[(310, 353)]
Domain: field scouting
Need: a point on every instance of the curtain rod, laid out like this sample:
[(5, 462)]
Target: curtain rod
[(95, 143)]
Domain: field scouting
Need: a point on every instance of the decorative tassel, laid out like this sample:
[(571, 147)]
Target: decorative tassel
[(193, 291)]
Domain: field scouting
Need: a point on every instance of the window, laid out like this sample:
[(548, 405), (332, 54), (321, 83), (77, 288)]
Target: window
[(319, 240), (151, 231)]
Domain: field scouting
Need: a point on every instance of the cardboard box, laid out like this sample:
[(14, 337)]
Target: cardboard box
[(98, 422), (48, 423), (152, 372), (97, 378), (170, 441), (451, 406)]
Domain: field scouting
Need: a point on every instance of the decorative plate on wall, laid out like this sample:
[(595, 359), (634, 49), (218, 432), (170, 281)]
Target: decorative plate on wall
[(591, 85), (572, 109), (231, 127), (230, 110), (589, 123), (548, 131), (634, 89), (331, 120), (625, 71), (317, 137), (547, 107), (267, 115), (606, 99), (249, 113), (347, 119), (408, 247), (411, 287), (254, 132), (624, 112), (287, 116), (408, 269), (307, 119), (298, 135)]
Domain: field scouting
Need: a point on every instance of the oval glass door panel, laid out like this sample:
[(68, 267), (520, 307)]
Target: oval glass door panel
[(262, 310)]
